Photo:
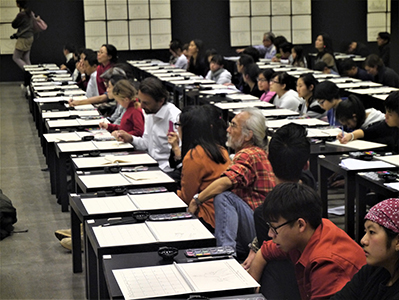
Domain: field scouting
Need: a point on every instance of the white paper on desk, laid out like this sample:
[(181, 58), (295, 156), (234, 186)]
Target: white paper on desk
[(238, 105), (393, 185), (181, 230), (134, 159), (328, 132), (156, 201), (147, 177), (358, 144), (121, 235), (278, 112), (391, 159), (177, 279), (91, 122), (358, 164), (105, 145), (61, 137), (62, 123), (100, 205), (77, 146), (104, 180), (305, 122), (243, 97), (219, 91), (50, 99), (149, 282)]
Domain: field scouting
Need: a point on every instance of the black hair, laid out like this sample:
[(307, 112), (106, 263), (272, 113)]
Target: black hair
[(218, 125), (347, 64), (115, 78), (252, 52), (292, 201), (267, 73), (391, 235), (92, 59), (200, 45), (70, 48), (154, 88), (210, 52), (111, 51), (286, 47), (278, 40), (289, 150), (284, 78), (196, 125), (391, 103), (351, 106), (300, 56), (87, 51), (218, 59), (328, 46), (252, 70), (385, 36), (308, 80), (373, 60), (245, 60), (175, 45), (326, 90), (320, 66), (24, 4)]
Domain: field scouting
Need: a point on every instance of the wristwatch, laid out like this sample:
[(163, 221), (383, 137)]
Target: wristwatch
[(195, 197)]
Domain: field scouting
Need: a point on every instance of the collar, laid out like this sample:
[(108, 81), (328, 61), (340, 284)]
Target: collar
[(69, 56), (307, 252), (218, 72), (162, 112)]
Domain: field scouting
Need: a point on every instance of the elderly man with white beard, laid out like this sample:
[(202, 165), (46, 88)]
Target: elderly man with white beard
[(243, 186)]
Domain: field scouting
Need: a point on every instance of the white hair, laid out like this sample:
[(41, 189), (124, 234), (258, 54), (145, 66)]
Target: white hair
[(257, 124)]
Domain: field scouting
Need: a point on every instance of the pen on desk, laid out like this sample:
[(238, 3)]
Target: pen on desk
[(343, 132), (208, 258)]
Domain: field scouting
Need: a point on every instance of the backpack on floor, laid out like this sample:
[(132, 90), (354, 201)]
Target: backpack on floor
[(8, 216)]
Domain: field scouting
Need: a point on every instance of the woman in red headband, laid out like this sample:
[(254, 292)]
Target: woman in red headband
[(379, 278)]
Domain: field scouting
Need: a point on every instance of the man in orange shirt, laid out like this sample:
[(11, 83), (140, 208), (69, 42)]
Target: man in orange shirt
[(325, 257)]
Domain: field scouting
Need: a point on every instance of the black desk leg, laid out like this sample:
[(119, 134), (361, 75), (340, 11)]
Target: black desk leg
[(76, 243), (361, 192), (51, 163), (91, 272), (62, 181), (102, 284), (350, 204), (323, 191)]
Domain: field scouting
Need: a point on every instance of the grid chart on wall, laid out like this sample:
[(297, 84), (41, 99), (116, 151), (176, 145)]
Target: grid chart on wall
[(250, 19), (8, 12), (378, 18), (128, 24)]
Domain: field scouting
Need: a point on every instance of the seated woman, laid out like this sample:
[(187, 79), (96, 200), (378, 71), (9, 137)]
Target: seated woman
[(378, 279), (299, 59), (242, 63), (327, 95), (250, 77), (175, 48), (217, 73), (263, 85), (305, 86), (204, 154), (133, 119), (352, 114), (286, 97), (323, 45), (197, 64)]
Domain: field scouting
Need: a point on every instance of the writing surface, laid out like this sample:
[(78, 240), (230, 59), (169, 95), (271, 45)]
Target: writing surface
[(239, 8), (240, 31), (94, 10), (138, 9), (117, 10), (139, 34)]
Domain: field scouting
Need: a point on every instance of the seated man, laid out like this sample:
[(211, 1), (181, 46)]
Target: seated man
[(154, 101), (358, 48), (349, 68), (325, 257), (322, 67), (90, 64), (243, 186)]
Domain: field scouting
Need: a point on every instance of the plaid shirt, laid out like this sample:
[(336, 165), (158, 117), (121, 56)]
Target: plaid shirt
[(252, 175)]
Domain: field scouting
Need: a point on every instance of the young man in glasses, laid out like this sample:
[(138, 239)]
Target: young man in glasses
[(325, 257)]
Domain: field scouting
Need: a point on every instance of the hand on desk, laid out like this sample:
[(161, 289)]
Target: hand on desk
[(103, 125), (123, 136), (240, 50), (192, 207), (247, 263), (345, 138)]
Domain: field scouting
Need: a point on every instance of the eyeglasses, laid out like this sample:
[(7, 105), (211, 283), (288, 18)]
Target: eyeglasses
[(321, 101), (177, 124), (262, 79), (274, 229), (276, 82), (232, 124)]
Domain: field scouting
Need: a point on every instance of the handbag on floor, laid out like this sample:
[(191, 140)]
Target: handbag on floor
[(8, 216)]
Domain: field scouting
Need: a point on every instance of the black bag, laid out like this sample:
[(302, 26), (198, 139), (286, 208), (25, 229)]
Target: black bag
[(8, 216)]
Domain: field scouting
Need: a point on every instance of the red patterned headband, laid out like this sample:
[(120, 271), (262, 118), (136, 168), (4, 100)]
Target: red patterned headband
[(386, 213)]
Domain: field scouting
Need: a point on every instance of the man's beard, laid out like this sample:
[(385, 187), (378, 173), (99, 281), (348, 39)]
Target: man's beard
[(234, 144)]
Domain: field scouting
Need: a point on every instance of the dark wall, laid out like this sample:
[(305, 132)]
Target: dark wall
[(204, 19)]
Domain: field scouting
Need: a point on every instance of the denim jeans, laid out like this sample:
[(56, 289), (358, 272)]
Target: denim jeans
[(234, 222)]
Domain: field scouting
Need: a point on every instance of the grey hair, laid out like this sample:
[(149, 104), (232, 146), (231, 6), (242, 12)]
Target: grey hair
[(256, 123)]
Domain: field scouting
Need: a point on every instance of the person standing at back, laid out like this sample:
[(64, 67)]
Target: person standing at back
[(24, 23)]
